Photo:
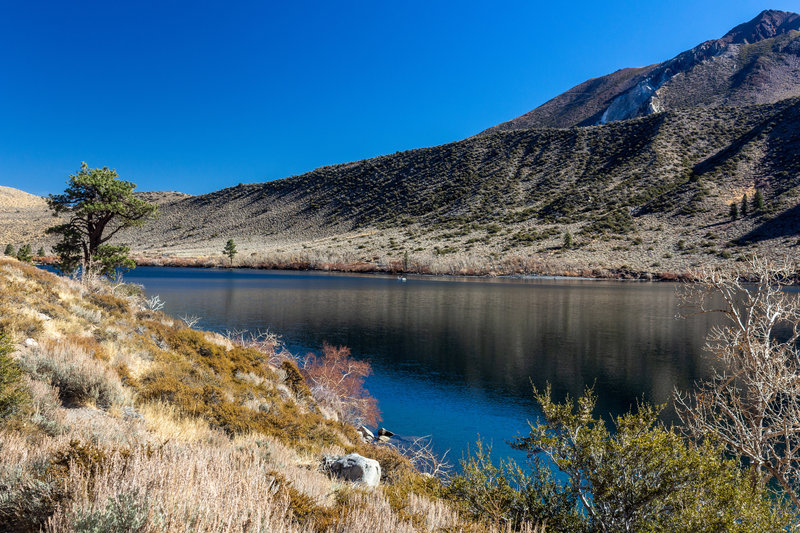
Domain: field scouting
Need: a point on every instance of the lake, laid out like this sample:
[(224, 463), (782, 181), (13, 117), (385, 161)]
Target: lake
[(455, 358)]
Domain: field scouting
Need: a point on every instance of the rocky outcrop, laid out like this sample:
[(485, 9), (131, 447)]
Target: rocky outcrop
[(353, 467), (366, 434)]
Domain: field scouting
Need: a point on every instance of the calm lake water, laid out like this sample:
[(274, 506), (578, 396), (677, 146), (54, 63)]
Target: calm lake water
[(455, 358)]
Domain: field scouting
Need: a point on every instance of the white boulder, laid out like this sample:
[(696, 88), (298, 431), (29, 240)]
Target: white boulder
[(355, 468)]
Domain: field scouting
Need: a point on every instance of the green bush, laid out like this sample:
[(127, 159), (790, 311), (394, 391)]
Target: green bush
[(25, 254), (640, 476), (26, 502), (12, 395), (126, 513)]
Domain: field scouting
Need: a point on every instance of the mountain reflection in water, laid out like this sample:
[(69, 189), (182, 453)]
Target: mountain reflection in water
[(455, 358)]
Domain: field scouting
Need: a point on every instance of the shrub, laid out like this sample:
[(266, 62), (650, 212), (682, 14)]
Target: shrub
[(567, 240), (26, 502), (25, 254), (337, 380), (294, 379), (125, 513), (12, 394), (79, 377), (758, 201), (640, 476)]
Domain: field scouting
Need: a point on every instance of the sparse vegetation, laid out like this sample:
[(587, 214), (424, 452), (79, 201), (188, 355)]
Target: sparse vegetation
[(673, 170)]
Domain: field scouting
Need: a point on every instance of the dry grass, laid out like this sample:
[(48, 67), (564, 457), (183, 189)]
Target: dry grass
[(137, 423)]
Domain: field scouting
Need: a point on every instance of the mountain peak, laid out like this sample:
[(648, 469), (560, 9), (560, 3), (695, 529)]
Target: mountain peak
[(767, 24), (716, 72)]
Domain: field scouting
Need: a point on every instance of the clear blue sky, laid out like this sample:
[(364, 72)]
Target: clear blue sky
[(195, 96)]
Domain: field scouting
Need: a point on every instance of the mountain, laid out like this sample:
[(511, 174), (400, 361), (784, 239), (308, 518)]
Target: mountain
[(649, 193), (756, 62)]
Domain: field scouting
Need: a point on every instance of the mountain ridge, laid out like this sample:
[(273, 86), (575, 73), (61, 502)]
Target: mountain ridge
[(717, 71)]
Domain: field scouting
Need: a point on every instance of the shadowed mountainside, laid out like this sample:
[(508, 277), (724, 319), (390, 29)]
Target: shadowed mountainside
[(650, 193), (666, 178)]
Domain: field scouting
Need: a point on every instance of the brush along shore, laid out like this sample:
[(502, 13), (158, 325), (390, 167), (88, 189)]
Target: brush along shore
[(121, 418)]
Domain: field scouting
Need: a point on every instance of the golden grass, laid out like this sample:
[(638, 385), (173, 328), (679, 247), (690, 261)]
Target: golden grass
[(138, 419)]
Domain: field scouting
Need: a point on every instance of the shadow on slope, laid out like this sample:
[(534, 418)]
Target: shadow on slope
[(787, 224)]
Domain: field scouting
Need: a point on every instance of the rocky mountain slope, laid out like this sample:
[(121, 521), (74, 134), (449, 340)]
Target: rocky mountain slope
[(647, 194), (756, 62)]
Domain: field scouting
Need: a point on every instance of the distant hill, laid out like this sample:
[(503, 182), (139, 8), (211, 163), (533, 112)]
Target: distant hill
[(11, 199), (23, 217), (756, 62)]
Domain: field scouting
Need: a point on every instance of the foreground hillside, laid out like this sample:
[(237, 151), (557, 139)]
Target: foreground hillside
[(127, 420)]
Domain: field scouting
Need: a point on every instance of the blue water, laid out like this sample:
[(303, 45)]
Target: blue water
[(455, 358)]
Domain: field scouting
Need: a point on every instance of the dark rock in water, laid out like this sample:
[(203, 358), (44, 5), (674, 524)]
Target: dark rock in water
[(366, 433)]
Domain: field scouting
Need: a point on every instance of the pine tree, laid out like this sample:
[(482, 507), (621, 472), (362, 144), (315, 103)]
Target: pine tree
[(734, 211), (25, 254), (98, 205), (40, 253), (10, 250), (758, 202), (230, 250), (744, 205), (567, 240)]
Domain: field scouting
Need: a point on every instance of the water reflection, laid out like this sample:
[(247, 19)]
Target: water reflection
[(457, 358)]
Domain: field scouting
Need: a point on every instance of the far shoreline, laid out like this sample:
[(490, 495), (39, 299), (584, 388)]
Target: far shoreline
[(595, 273)]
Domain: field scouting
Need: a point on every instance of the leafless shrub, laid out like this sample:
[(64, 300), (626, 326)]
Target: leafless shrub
[(422, 455), (751, 403), (264, 341), (154, 303), (337, 381), (190, 320)]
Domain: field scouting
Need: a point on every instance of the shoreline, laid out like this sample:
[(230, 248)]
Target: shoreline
[(574, 273)]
